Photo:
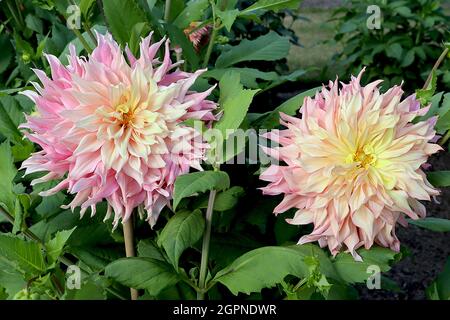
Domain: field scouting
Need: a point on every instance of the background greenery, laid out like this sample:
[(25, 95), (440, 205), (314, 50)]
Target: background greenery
[(262, 54)]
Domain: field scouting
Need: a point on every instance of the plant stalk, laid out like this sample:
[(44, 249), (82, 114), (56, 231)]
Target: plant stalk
[(438, 62), (82, 40), (212, 39), (435, 67), (444, 139), (167, 10), (129, 248), (210, 47), (87, 27), (205, 246)]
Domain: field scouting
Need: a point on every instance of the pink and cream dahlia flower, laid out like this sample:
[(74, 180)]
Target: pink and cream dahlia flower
[(198, 37), (113, 130), (353, 165)]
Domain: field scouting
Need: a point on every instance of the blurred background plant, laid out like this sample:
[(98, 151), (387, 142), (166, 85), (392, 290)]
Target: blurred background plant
[(404, 48)]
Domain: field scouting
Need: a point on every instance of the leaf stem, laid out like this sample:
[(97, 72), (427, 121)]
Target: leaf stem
[(205, 246), (129, 248), (435, 67), (299, 284)]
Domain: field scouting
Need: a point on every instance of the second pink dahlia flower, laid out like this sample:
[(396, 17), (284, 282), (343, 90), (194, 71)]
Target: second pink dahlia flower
[(353, 165), (113, 129)]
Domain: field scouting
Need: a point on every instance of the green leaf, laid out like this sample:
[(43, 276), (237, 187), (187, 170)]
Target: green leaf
[(22, 205), (440, 288), (403, 11), (353, 271), (433, 224), (86, 8), (7, 173), (274, 5), (55, 246), (143, 273), (11, 279), (248, 75), (7, 53), (235, 102), (148, 249), (443, 122), (88, 291), (34, 23), (121, 16), (139, 30), (225, 200), (326, 266), (439, 178), (10, 118), (262, 268), (96, 258), (394, 51), (182, 231), (408, 59), (269, 47), (194, 11), (227, 17), (189, 184), (178, 37), (27, 256), (342, 292), (425, 95), (290, 107)]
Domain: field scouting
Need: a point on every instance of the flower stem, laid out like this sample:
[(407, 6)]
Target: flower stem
[(427, 83), (444, 139), (205, 246), (210, 48), (87, 27), (435, 67), (82, 40), (167, 10), (212, 39), (129, 248)]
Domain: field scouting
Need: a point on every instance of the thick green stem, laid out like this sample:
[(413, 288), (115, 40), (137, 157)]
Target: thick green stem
[(212, 39), (167, 10), (87, 27), (82, 40), (445, 138), (129, 248), (205, 246), (210, 47)]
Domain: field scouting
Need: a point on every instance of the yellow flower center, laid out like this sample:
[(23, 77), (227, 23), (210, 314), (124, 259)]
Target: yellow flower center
[(124, 108), (365, 156)]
